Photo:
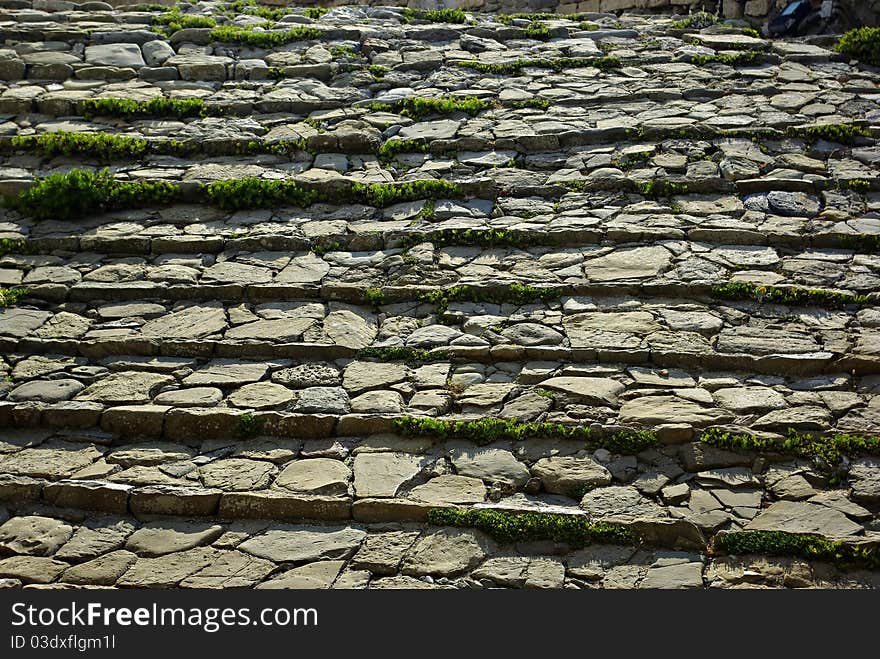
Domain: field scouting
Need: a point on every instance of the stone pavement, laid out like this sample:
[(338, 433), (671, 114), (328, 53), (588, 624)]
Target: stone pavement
[(653, 260)]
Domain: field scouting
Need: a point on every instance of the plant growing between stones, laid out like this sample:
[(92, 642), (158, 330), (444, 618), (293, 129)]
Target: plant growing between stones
[(840, 133), (434, 15), (560, 64), (392, 147), (82, 192), (734, 59), (782, 543), (782, 295), (374, 297), (378, 72), (856, 184), (658, 188), (9, 296), (862, 44), (418, 108), (533, 103), (250, 193), (128, 108), (512, 527), (828, 451), (247, 36), (513, 293), (321, 248), (315, 12), (15, 246), (249, 425), (861, 242), (697, 21), (401, 353), (471, 237), (175, 20), (381, 195), (488, 430)]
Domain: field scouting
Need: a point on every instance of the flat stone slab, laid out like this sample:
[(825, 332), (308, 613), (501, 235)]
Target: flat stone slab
[(292, 544), (803, 517)]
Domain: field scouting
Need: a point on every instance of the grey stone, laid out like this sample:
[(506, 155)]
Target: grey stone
[(447, 552), (34, 535), (299, 544)]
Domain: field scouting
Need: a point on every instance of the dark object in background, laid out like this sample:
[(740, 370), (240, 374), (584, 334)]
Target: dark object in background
[(789, 21)]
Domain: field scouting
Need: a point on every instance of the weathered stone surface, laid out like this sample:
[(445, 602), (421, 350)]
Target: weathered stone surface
[(864, 475), (237, 474), (802, 517), (383, 474), (449, 489), (33, 535), (382, 553), (569, 475), (95, 538), (447, 551), (31, 569), (318, 575), (167, 571), (637, 263), (315, 476), (101, 571), (653, 410), (596, 391), (261, 396), (490, 465), (620, 502), (231, 569), (125, 387), (159, 538), (291, 544), (193, 322), (362, 376)]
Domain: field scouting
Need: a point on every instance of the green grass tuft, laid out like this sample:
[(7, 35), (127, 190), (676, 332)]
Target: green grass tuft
[(509, 527), (488, 430), (470, 237), (559, 64), (247, 36), (82, 192), (735, 59), (840, 133), (779, 295), (392, 147), (15, 246), (658, 188), (435, 15), (401, 353), (9, 296), (862, 44), (418, 108), (375, 296), (828, 450), (514, 293), (250, 193), (697, 21), (813, 547), (127, 108), (249, 425)]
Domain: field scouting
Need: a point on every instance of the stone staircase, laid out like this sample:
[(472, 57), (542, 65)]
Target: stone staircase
[(599, 311)]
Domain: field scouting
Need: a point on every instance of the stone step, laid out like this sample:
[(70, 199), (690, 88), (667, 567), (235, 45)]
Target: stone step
[(554, 273), (839, 220), (49, 548), (300, 396), (626, 296), (743, 336), (383, 478)]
